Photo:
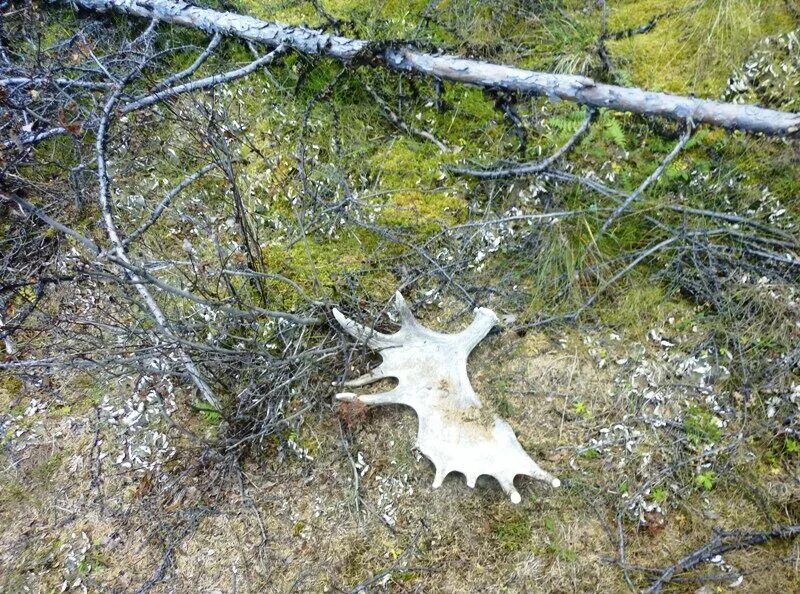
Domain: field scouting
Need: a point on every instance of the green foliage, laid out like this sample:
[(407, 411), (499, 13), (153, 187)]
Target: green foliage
[(212, 417), (696, 45), (504, 407), (612, 131), (706, 479), (701, 426), (659, 495), (512, 531), (590, 454), (562, 553)]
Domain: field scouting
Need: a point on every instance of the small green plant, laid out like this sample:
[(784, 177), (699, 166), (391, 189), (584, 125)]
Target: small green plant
[(659, 495), (612, 130), (701, 426), (504, 407), (580, 409), (791, 446), (706, 479), (212, 417), (562, 553)]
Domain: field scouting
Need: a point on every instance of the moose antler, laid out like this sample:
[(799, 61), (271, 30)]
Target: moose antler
[(455, 433)]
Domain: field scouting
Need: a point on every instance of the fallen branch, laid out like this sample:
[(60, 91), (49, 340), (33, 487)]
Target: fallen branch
[(161, 206), (28, 139), (579, 89), (539, 166), (184, 74), (652, 178), (204, 83), (721, 543), (400, 123)]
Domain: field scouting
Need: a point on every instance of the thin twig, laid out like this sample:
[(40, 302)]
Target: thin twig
[(166, 202), (186, 73), (721, 543), (539, 166), (687, 134), (400, 123), (204, 83)]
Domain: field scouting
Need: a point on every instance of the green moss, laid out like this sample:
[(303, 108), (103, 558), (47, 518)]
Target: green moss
[(639, 306), (698, 45), (412, 172), (513, 530), (422, 211), (395, 17), (319, 266), (10, 389), (407, 164), (44, 471)]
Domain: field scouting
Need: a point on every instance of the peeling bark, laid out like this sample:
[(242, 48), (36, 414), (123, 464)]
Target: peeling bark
[(579, 89)]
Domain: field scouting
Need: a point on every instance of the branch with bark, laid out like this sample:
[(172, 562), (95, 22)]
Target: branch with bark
[(403, 58)]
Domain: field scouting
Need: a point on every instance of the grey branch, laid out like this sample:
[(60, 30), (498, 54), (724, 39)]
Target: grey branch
[(40, 81), (45, 218), (687, 134), (32, 138), (161, 206), (400, 123), (122, 259), (539, 166), (204, 83), (568, 87), (184, 74)]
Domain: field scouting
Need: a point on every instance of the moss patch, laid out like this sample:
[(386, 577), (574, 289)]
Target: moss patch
[(697, 45)]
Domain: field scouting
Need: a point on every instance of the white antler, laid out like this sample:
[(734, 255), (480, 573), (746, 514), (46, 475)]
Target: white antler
[(431, 370)]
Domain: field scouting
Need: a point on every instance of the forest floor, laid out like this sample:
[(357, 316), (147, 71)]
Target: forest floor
[(77, 516), (663, 409)]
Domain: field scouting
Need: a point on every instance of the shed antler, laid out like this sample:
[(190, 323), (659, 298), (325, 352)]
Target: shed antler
[(431, 370)]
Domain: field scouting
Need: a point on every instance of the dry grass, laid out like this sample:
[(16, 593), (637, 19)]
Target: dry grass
[(301, 526)]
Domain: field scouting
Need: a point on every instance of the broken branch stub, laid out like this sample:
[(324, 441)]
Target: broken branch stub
[(455, 432)]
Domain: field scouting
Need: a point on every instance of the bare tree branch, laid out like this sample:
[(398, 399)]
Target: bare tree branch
[(579, 89), (687, 134), (720, 543), (204, 83), (199, 61), (539, 166), (402, 124), (161, 206)]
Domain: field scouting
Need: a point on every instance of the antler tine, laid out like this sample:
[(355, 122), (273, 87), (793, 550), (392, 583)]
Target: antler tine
[(391, 397), (371, 337), (537, 473), (368, 378), (508, 487), (407, 318), (485, 320)]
